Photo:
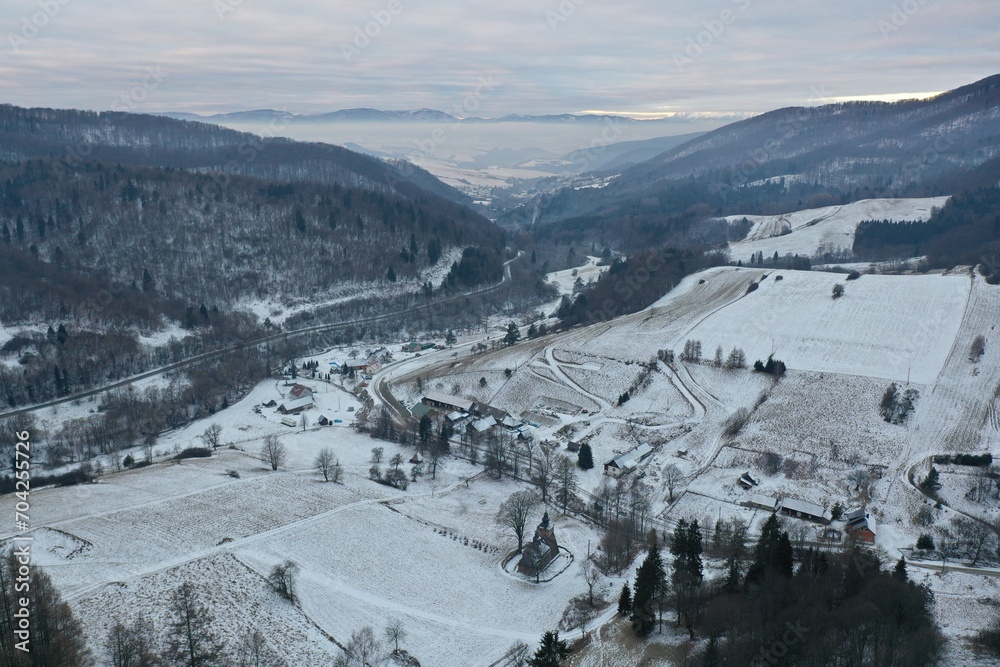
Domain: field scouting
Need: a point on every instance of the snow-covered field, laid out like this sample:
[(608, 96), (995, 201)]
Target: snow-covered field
[(821, 419), (829, 229)]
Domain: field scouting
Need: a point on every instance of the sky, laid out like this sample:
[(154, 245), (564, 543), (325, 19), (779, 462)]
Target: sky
[(644, 58)]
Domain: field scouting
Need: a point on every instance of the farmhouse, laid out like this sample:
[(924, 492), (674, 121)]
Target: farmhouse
[(300, 390), (860, 525), (627, 462), (764, 502), (803, 509), (543, 549), (295, 406), (436, 399), (483, 425)]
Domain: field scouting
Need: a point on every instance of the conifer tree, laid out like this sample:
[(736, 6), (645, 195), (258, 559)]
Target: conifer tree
[(551, 652)]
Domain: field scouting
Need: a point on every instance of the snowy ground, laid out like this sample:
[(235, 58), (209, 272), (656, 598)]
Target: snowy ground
[(829, 229), (821, 419)]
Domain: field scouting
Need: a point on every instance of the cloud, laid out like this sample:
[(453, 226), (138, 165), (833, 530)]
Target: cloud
[(548, 56)]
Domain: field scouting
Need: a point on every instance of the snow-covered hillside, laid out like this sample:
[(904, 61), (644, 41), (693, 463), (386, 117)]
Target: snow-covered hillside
[(829, 229)]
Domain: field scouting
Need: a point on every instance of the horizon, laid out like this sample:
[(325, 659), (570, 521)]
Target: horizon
[(728, 58)]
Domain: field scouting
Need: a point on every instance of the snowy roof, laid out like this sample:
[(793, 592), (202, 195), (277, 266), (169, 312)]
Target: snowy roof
[(632, 457), (804, 507), (455, 416), (855, 515), (300, 390), (297, 403), (448, 399), (859, 519), (484, 424), (764, 501)]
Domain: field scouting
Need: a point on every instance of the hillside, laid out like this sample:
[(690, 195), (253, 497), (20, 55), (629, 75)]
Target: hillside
[(785, 160), (830, 229)]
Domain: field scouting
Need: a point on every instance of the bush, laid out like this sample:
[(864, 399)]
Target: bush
[(771, 463), (82, 475), (977, 349), (773, 366), (194, 453), (853, 275), (752, 287), (838, 291), (925, 542), (974, 460), (735, 423)]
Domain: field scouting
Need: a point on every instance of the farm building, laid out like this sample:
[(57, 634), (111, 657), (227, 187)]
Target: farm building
[(421, 410), (323, 420), (436, 399), (803, 509), (483, 425), (860, 525), (295, 406), (764, 502), (300, 390), (748, 481), (543, 549), (414, 346), (627, 462)]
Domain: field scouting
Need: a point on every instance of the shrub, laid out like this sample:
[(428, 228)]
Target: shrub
[(194, 453), (838, 291), (773, 366), (977, 349), (752, 287), (853, 275), (735, 423), (771, 463), (925, 542)]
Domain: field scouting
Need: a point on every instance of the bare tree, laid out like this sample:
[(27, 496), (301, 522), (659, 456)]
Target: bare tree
[(377, 453), (273, 452), (364, 650), (282, 579), (395, 633), (212, 436), (592, 576), (514, 512), (671, 477), (253, 651), (132, 645), (328, 465), (565, 479), (191, 639), (544, 471)]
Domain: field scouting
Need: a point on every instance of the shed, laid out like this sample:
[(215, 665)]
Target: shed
[(436, 399), (803, 509), (763, 502), (629, 461), (295, 406)]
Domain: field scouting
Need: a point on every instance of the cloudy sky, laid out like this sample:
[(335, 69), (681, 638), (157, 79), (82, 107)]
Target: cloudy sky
[(488, 58)]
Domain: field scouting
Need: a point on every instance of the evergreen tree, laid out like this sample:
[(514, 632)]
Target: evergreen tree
[(551, 652), (688, 572), (513, 334), (650, 585), (391, 275), (900, 571), (625, 600), (585, 459), (450, 339)]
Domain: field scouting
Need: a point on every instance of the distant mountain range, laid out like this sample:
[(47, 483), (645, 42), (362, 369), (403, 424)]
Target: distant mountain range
[(786, 160), (412, 115)]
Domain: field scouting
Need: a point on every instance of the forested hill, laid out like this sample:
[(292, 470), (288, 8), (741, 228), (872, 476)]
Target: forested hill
[(181, 236), (785, 160), (157, 141)]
